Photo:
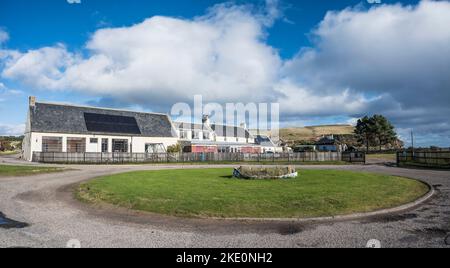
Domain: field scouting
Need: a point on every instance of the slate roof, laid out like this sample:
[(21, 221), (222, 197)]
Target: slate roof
[(264, 141), (227, 131), (62, 118), (189, 126)]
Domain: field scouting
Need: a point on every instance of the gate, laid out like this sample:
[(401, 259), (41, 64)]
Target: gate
[(354, 157)]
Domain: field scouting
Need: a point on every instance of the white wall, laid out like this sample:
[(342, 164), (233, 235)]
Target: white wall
[(35, 142), (234, 140), (26, 147)]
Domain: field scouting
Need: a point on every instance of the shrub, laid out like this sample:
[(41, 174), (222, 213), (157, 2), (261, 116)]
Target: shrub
[(174, 148)]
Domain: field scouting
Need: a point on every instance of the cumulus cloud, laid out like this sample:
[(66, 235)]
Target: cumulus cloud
[(401, 50), (221, 55), (398, 54), (390, 59), (43, 67)]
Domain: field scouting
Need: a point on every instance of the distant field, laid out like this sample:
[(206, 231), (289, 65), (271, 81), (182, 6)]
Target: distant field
[(310, 133)]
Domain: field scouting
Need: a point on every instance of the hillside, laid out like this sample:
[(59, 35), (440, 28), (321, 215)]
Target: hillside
[(305, 134)]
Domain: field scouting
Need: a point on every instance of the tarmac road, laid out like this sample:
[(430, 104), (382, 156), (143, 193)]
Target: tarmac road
[(52, 217)]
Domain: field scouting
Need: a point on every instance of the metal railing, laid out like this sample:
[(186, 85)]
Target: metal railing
[(120, 158)]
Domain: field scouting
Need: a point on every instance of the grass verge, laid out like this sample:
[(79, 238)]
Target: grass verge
[(17, 171), (214, 193)]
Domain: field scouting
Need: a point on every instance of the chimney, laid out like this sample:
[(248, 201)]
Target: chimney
[(205, 120), (32, 101)]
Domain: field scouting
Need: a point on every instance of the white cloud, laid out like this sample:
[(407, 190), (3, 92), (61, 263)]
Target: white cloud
[(74, 1), (7, 93), (297, 100), (390, 59), (4, 36), (11, 130), (43, 67), (403, 51), (221, 55), (398, 54)]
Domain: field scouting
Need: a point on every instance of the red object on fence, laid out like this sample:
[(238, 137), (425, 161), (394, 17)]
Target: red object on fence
[(204, 149), (251, 150)]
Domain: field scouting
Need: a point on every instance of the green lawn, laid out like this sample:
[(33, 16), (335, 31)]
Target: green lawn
[(213, 193), (8, 153), (15, 171)]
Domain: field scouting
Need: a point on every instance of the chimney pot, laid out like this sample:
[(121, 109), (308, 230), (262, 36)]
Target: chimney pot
[(32, 101), (205, 120)]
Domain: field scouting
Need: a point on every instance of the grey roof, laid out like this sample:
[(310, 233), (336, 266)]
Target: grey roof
[(227, 131), (62, 118), (189, 126), (264, 141)]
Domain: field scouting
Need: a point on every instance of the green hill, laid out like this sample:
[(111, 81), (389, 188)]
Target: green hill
[(311, 133)]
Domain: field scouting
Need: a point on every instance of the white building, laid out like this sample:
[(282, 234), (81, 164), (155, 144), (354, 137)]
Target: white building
[(209, 138), (57, 128), (267, 145)]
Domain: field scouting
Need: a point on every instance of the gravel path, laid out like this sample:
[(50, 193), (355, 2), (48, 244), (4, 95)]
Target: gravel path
[(54, 218)]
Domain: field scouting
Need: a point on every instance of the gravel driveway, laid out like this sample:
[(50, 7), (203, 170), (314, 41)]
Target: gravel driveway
[(45, 203)]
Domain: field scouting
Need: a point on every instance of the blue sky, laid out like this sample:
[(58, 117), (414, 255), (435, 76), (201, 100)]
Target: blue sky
[(57, 21), (291, 46)]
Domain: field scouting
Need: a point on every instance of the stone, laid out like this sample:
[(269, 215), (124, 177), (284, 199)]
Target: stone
[(255, 172)]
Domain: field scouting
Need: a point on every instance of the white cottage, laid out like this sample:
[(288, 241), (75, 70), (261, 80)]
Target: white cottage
[(56, 128)]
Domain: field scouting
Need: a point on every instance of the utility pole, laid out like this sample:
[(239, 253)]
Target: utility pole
[(412, 142)]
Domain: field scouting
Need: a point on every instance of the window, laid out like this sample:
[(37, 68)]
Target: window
[(195, 135), (93, 140), (184, 135), (120, 146), (104, 145), (52, 144), (76, 145), (154, 148)]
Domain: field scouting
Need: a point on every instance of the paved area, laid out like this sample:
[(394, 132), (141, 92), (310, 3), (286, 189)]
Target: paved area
[(45, 203)]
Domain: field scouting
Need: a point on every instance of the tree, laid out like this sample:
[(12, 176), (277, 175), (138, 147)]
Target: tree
[(384, 131), (375, 131), (174, 148), (364, 132)]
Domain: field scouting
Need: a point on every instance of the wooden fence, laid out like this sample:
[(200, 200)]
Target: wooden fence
[(435, 159), (120, 158)]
